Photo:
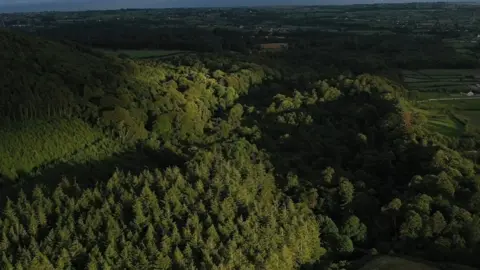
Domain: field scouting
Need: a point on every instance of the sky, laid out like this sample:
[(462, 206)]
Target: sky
[(42, 5)]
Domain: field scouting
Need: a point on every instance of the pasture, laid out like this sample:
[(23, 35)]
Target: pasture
[(451, 117), (461, 45), (399, 263), (445, 81), (447, 117), (395, 263)]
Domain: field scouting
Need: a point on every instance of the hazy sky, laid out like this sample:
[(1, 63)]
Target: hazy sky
[(38, 5)]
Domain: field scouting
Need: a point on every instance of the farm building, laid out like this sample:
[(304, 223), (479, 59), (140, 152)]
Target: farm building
[(274, 46), (470, 94)]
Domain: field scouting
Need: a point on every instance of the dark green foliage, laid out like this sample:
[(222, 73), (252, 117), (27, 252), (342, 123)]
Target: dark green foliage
[(283, 167), (142, 221), (28, 145), (42, 79)]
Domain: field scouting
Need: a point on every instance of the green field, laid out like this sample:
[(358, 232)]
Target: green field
[(451, 117), (447, 117), (451, 81), (445, 125), (430, 95), (397, 263), (473, 117), (394, 263), (442, 122), (462, 46)]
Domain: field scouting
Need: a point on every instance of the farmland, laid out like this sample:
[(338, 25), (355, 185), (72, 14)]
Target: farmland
[(449, 82), (441, 95), (451, 117)]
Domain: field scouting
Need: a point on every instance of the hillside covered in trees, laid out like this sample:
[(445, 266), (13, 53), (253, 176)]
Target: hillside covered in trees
[(219, 161)]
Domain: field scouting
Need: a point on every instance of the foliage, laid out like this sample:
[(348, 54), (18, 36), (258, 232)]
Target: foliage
[(33, 143), (255, 161), (233, 217)]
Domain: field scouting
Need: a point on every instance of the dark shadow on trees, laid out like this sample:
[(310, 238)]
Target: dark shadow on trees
[(88, 174), (330, 140), (383, 163)]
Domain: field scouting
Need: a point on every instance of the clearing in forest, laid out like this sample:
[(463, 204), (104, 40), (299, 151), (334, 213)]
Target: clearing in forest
[(397, 263), (394, 263)]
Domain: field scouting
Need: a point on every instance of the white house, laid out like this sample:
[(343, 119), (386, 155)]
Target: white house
[(470, 94)]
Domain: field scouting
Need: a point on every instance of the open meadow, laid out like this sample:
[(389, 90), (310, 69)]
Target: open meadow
[(448, 82), (442, 96), (451, 117), (397, 263)]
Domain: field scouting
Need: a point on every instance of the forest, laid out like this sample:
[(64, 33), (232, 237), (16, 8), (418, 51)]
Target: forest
[(230, 159)]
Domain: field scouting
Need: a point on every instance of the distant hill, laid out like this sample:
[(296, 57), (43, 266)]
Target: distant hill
[(40, 78), (60, 5)]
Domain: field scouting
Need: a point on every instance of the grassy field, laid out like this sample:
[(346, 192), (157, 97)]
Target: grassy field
[(447, 117), (450, 117), (141, 54), (430, 95), (440, 120), (473, 117), (449, 81), (394, 263), (462, 46), (445, 125), (397, 263)]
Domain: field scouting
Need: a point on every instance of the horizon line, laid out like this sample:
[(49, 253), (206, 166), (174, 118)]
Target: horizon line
[(66, 6)]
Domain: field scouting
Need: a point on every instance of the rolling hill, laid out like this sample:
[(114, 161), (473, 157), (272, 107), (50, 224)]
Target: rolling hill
[(50, 96), (61, 5), (218, 161)]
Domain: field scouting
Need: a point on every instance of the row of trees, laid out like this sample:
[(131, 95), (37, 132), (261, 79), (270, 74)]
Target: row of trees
[(140, 35)]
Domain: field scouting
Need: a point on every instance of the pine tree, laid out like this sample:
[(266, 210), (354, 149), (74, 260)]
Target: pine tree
[(4, 243), (140, 218), (178, 257), (163, 262), (40, 262), (42, 217), (63, 260), (92, 263), (6, 263), (32, 225)]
